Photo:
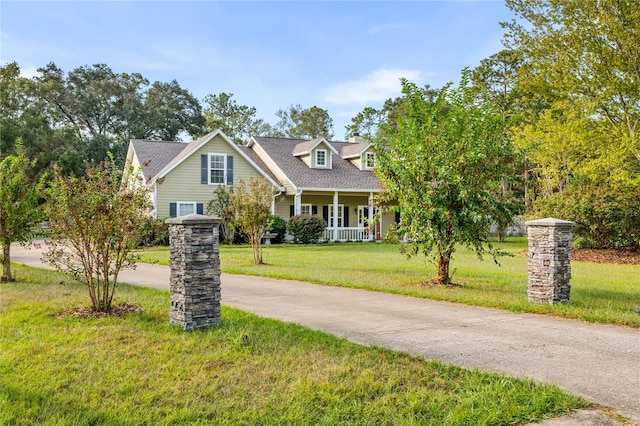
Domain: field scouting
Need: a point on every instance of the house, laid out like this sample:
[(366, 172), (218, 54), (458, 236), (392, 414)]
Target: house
[(328, 178)]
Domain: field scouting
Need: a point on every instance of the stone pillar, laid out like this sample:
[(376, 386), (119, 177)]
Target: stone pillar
[(549, 264), (195, 271)]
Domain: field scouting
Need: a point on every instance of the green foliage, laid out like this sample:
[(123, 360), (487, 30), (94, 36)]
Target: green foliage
[(581, 65), (220, 206), (369, 122), (238, 122), (306, 229), (608, 217), (439, 166), (304, 123), (96, 225), (155, 232), (24, 116), (106, 109), (279, 226), (19, 205), (251, 205), (139, 369)]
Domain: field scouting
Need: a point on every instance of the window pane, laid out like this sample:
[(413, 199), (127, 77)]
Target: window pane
[(305, 209), (321, 158), (185, 209), (217, 169), (371, 160)]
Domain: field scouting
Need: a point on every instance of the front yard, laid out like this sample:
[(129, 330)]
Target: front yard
[(138, 369), (599, 292)]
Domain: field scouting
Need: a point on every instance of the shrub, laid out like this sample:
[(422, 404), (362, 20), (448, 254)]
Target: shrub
[(306, 229), (155, 233), (95, 227), (279, 228)]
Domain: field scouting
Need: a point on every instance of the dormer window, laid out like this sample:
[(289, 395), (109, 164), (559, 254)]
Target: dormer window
[(370, 160), (321, 158)]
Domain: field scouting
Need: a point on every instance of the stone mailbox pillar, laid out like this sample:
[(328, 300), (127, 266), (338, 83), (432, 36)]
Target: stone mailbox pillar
[(549, 264), (194, 283)]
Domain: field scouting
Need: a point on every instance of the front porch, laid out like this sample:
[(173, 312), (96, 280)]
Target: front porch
[(351, 234), (350, 215)]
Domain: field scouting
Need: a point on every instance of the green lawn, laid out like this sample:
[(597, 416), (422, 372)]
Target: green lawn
[(599, 293), (139, 369)]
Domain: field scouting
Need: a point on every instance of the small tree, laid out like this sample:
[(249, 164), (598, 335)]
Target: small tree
[(96, 225), (251, 203), (220, 206), (440, 165), (18, 205)]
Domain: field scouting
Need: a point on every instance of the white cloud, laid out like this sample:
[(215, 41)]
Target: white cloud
[(29, 72), (374, 87)]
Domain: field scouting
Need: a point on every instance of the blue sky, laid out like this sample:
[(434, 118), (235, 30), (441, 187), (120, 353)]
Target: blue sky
[(341, 56)]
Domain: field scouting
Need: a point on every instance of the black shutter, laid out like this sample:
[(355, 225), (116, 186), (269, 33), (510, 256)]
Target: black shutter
[(204, 169), (291, 211), (325, 213), (397, 217), (229, 169), (314, 210), (199, 208), (173, 209), (345, 219)]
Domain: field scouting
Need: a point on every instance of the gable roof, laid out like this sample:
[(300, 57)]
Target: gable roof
[(352, 150), (169, 155), (343, 176), (155, 155), (305, 147)]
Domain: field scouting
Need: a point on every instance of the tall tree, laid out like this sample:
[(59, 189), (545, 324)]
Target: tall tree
[(439, 166), (238, 122), (367, 123), (496, 81), (25, 117), (19, 208), (304, 123), (582, 57), (107, 109)]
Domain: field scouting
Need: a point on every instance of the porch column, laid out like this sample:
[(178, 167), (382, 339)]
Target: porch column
[(297, 203), (335, 216), (372, 227)]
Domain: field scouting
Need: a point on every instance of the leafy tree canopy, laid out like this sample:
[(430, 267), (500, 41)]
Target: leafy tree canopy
[(107, 109), (238, 122), (304, 123), (19, 210), (439, 167)]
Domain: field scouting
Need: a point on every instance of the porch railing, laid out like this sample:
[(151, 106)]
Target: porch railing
[(347, 234)]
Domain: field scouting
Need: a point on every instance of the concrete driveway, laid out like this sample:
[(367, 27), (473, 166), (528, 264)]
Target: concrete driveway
[(598, 362)]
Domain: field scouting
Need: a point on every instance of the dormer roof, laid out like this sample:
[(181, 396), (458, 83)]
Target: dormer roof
[(306, 147), (354, 150)]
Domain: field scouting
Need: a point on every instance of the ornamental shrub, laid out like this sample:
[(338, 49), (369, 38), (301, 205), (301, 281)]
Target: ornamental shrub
[(306, 229), (279, 227)]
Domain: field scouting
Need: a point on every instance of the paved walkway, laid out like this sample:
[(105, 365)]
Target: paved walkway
[(599, 362)]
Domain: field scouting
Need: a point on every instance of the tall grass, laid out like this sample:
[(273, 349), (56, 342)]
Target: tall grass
[(599, 293), (139, 369)]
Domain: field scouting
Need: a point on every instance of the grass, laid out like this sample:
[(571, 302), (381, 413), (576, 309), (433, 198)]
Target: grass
[(139, 369), (599, 293)]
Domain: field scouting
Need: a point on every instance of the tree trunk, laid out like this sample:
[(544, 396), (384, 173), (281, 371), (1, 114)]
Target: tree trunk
[(502, 233), (6, 264), (442, 275), (257, 252)]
